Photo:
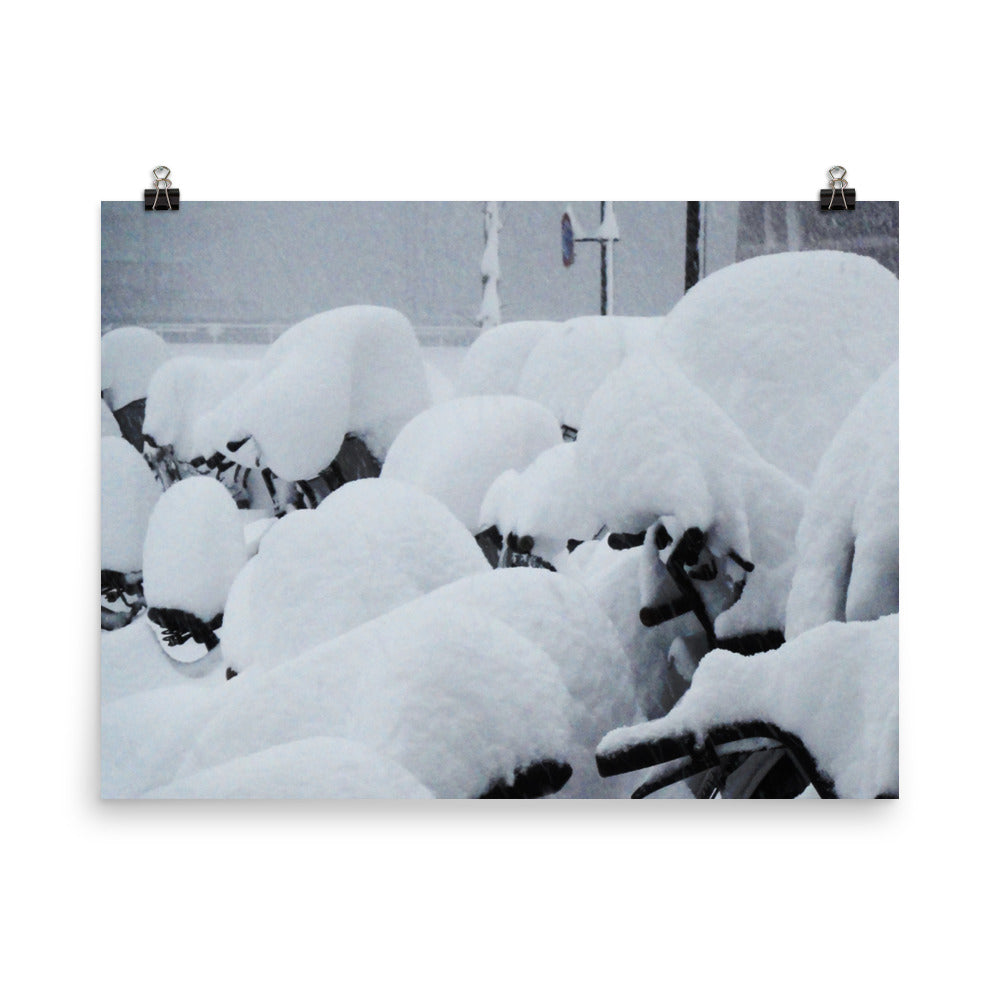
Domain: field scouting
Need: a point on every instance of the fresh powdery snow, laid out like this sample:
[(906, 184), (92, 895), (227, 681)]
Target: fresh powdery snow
[(652, 444), (786, 344), (834, 687), (438, 384), (455, 450), (129, 357), (761, 607), (129, 492), (132, 662), (559, 616), (848, 542), (370, 546), (146, 735), (109, 426), (459, 701), (569, 363), (351, 370), (613, 580), (194, 548), (545, 501), (318, 768), (184, 389), (557, 613), (492, 366)]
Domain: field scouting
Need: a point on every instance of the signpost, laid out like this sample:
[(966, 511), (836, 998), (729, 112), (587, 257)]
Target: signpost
[(607, 236)]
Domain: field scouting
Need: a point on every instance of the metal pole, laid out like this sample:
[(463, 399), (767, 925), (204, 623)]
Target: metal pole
[(692, 264), (604, 271)]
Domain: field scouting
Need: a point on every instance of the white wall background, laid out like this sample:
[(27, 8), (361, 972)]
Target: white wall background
[(518, 101)]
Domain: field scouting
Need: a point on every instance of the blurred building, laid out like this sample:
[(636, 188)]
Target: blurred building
[(872, 229)]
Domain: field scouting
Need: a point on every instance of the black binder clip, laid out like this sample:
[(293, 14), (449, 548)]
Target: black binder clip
[(163, 196), (840, 197)]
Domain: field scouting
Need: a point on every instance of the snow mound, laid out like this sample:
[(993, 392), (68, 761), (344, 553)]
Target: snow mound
[(835, 687), (652, 444), (786, 344), (848, 541), (129, 492), (194, 548), (146, 735), (129, 357), (109, 426), (306, 769), (455, 450), (370, 546), (181, 391), (492, 366), (132, 662), (557, 614), (545, 502), (438, 384), (459, 702), (356, 369), (761, 607), (613, 580), (569, 363)]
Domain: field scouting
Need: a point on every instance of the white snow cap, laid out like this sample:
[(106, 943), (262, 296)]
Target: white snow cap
[(544, 501), (305, 769), (458, 701), (559, 615), (181, 391), (455, 450), (194, 548), (129, 492), (109, 426), (786, 344), (129, 357), (569, 363), (492, 366), (438, 384), (613, 578), (356, 369), (652, 444), (835, 687), (848, 541), (370, 546)]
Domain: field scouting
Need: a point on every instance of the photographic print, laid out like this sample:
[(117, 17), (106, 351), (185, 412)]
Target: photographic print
[(499, 500)]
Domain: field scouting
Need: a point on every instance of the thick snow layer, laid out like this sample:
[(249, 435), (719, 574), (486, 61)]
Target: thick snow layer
[(132, 662), (370, 546), (129, 491), (194, 548), (786, 344), (835, 687), (848, 541), (181, 391), (438, 385), (761, 607), (145, 736), (460, 701), (455, 450), (492, 366), (129, 357), (652, 445), (559, 615), (569, 363), (109, 426), (544, 501), (305, 769), (612, 578), (356, 369)]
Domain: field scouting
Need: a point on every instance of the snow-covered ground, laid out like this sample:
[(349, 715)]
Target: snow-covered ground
[(371, 568)]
